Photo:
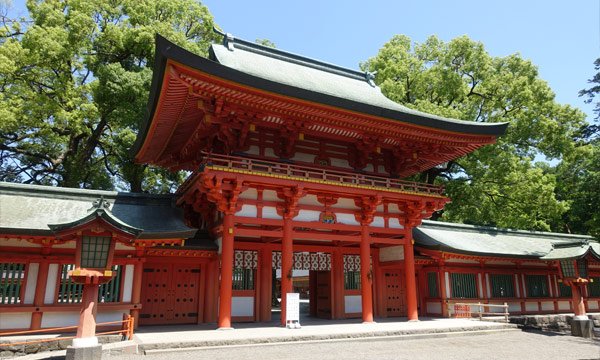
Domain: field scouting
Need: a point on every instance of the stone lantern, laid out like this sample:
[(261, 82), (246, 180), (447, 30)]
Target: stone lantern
[(95, 236)]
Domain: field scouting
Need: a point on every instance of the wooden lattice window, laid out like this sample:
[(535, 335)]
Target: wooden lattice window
[(432, 285), (70, 292), (582, 267), (537, 285), (243, 279), (502, 285), (464, 286), (12, 278), (94, 251), (594, 287), (352, 280), (564, 290), (568, 268)]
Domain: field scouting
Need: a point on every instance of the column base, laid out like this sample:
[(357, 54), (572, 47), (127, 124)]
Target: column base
[(369, 322), (84, 342), (84, 353), (414, 320), (225, 328), (582, 328)]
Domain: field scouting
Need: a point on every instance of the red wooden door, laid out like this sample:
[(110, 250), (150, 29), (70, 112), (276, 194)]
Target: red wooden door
[(324, 294), (170, 294), (395, 296)]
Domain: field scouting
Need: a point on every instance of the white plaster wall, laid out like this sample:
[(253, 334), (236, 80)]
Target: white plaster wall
[(434, 308), (51, 284), (547, 305), (487, 285), (128, 282), (18, 242), (564, 305), (394, 223), (353, 304), (309, 200), (551, 293), (345, 203), (393, 208), (60, 319), (480, 294), (347, 219), (31, 281), (242, 306), (531, 306), (15, 320), (107, 316), (121, 246), (247, 211), (270, 212), (448, 294), (308, 215), (270, 195), (298, 156), (391, 253), (514, 307), (369, 168), (524, 286), (592, 305), (254, 150), (270, 152), (517, 287), (340, 163), (496, 309), (250, 193), (67, 245), (378, 221)]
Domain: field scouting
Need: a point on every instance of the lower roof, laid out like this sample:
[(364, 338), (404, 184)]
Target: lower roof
[(29, 209), (490, 241)]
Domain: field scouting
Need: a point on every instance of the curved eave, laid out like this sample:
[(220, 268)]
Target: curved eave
[(166, 51), (451, 250), (98, 214), (589, 251)]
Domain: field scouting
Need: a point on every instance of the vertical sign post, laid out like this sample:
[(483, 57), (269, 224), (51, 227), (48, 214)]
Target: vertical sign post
[(292, 311)]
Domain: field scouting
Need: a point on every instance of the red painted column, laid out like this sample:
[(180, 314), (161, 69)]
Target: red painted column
[(365, 278), (409, 272), (266, 272), (136, 291), (578, 304), (226, 272), (287, 260), (40, 291), (87, 315)]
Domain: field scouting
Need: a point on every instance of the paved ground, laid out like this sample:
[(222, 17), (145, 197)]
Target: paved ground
[(498, 345)]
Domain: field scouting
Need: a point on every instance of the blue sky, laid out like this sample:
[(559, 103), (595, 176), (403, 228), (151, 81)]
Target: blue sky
[(561, 37)]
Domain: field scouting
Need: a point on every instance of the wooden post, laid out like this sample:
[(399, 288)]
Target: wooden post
[(40, 291), (365, 275), (409, 272), (266, 272), (136, 291), (506, 312), (287, 262), (87, 315), (578, 304), (226, 271)]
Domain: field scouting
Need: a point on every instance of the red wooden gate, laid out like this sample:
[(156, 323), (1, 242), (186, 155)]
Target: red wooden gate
[(395, 296), (170, 294)]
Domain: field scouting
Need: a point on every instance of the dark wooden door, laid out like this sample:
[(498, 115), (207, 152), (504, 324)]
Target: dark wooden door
[(395, 293), (324, 294), (170, 294)]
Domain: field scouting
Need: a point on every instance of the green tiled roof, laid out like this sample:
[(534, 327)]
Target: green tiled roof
[(30, 209), (489, 241)]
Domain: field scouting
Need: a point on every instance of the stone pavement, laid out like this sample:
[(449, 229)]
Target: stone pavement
[(162, 338)]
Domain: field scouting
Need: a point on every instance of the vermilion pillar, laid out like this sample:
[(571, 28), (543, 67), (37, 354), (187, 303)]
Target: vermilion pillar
[(136, 291), (578, 304), (287, 259), (365, 278), (87, 316), (226, 272), (40, 291), (409, 271)]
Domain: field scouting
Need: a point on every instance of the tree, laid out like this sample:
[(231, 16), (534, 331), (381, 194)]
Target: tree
[(74, 82), (498, 185)]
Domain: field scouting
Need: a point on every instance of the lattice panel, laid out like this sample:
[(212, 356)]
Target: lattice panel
[(351, 263), (245, 259), (305, 261)]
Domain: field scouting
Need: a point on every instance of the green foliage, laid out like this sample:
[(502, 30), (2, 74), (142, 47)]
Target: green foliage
[(498, 185), (74, 83)]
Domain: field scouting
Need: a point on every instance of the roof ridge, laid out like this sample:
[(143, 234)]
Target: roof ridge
[(503, 230), (231, 43)]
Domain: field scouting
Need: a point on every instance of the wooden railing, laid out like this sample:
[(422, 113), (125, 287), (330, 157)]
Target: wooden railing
[(315, 173), (465, 310)]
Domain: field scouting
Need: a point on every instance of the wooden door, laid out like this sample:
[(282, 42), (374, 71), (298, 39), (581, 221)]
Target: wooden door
[(395, 296), (324, 294), (170, 294)]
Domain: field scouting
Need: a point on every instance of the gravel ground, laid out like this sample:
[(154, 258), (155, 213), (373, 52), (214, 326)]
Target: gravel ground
[(501, 346)]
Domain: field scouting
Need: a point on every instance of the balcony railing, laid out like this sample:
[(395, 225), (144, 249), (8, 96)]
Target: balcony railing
[(315, 174)]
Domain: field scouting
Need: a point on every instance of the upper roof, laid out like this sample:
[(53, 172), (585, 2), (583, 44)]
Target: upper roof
[(32, 209), (490, 241), (242, 63)]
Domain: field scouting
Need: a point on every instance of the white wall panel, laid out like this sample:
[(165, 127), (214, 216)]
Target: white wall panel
[(32, 274), (51, 283)]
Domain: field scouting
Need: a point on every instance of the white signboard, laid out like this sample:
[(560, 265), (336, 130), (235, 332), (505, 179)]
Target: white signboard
[(292, 310)]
